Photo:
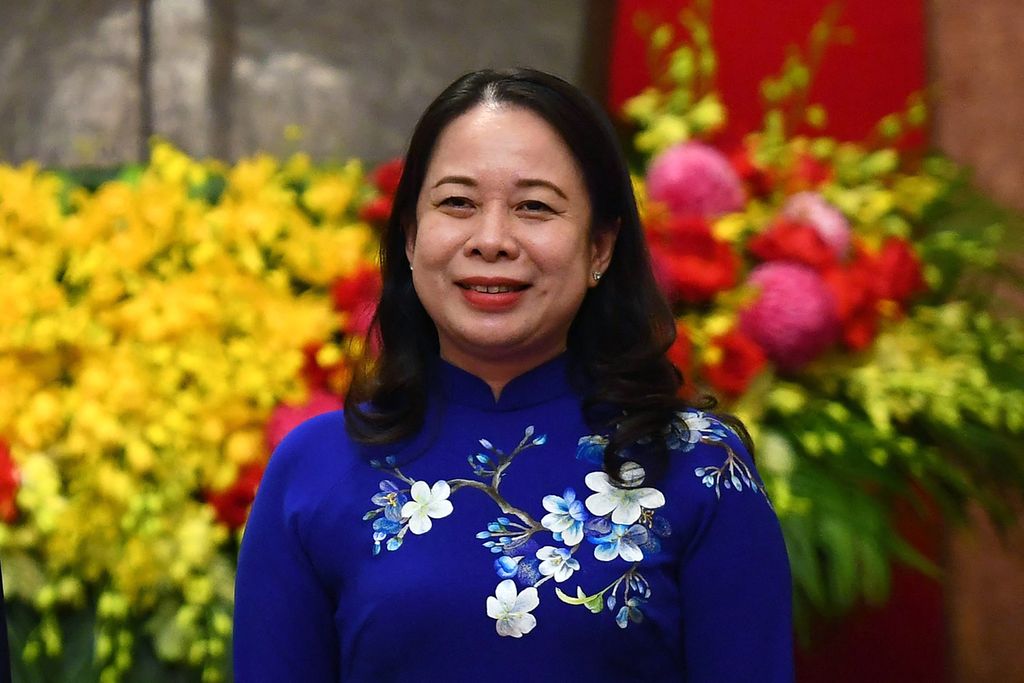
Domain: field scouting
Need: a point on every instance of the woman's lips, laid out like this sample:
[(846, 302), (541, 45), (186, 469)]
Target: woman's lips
[(492, 294)]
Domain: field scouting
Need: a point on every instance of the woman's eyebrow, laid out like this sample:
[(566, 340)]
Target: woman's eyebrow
[(537, 182), (525, 182), (457, 180)]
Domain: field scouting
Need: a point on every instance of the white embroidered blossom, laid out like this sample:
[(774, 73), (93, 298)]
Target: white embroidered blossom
[(695, 422), (565, 516), (557, 562), (512, 609), (624, 504), (427, 502)]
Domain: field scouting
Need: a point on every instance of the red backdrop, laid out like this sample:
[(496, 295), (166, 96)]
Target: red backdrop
[(859, 82)]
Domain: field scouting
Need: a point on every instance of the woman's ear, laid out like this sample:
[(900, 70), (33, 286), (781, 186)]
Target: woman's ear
[(602, 245), (410, 242)]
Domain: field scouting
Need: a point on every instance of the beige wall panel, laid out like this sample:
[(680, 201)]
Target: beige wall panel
[(985, 579), (977, 64)]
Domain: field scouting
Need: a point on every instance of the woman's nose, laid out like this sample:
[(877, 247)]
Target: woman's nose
[(493, 235)]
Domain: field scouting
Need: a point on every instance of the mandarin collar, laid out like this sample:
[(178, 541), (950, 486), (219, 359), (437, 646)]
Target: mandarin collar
[(543, 383)]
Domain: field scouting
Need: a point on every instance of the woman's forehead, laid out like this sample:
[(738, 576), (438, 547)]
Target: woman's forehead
[(512, 143)]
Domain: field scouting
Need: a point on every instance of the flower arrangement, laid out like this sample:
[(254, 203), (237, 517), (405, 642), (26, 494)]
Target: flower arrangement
[(160, 333), (158, 337), (820, 299)]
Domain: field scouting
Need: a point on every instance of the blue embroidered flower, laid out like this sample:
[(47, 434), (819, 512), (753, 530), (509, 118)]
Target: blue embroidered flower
[(630, 612), (622, 541), (690, 427), (507, 566), (382, 528), (597, 526), (733, 474), (510, 536), (591, 449), (565, 518), (483, 465), (556, 562), (391, 499), (638, 585), (618, 519)]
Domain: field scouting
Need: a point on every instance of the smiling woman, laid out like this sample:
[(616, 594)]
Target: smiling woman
[(521, 401), (501, 249)]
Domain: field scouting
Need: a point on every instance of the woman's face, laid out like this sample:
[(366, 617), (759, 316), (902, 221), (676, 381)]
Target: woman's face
[(501, 251)]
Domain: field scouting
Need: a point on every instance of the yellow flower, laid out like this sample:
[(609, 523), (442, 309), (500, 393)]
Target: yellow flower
[(245, 446), (665, 131), (642, 108)]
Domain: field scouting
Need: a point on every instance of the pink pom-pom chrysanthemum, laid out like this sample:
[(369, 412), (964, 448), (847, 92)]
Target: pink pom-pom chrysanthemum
[(814, 210), (692, 178), (794, 317)]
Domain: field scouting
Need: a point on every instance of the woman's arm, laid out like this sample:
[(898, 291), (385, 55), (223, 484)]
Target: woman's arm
[(735, 578), (284, 617)]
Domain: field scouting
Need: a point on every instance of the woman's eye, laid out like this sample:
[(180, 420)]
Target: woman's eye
[(457, 203), (534, 206)]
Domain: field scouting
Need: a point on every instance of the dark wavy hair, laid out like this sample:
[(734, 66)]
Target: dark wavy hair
[(618, 340)]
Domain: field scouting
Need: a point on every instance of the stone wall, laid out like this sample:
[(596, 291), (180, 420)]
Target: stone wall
[(69, 70), (229, 77)]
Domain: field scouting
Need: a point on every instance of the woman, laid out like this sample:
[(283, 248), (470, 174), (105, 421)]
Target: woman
[(514, 491)]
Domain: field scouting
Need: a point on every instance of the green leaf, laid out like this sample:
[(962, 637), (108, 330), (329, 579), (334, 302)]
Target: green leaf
[(595, 603)]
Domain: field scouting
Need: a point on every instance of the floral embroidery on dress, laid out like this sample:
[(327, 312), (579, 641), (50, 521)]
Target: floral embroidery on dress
[(734, 473), (619, 523)]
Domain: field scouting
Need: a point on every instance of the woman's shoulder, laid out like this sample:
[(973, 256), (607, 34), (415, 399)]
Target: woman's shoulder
[(711, 468), (696, 436), (311, 457)]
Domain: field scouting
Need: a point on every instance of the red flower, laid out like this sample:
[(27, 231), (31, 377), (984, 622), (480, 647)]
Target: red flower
[(357, 296), (680, 354), (377, 210), (855, 292), (689, 263), (741, 360), (898, 271), (807, 173), (758, 180), (386, 176), (789, 240), (681, 351), (232, 504), (10, 480), (893, 274)]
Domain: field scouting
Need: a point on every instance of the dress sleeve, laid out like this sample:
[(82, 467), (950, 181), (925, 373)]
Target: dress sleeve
[(283, 623), (734, 576)]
